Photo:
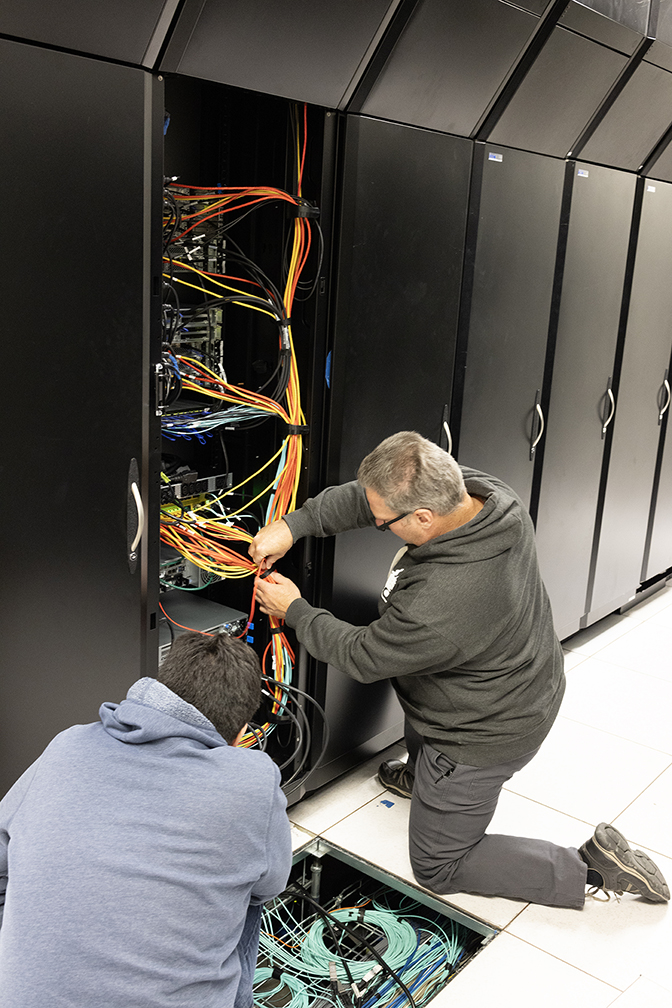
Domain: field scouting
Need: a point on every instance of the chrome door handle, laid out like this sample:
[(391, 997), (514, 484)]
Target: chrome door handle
[(541, 429), (141, 519), (449, 436), (612, 411), (664, 409), (542, 424)]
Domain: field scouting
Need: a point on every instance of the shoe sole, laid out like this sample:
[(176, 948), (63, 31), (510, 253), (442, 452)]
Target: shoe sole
[(394, 790), (633, 863)]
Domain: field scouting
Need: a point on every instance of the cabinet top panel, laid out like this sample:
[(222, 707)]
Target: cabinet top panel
[(297, 49), (117, 29)]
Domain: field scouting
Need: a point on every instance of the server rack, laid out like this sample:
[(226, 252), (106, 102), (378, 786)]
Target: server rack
[(582, 399), (515, 215)]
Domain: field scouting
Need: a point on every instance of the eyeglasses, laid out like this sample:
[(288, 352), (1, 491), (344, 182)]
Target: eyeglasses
[(385, 526)]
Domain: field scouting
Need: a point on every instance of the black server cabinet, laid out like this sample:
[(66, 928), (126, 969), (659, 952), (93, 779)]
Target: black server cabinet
[(582, 402), (658, 553), (509, 278), (80, 164), (403, 218), (640, 395)]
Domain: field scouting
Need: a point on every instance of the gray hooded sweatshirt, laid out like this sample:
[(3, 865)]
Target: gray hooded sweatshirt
[(464, 632), (135, 853)]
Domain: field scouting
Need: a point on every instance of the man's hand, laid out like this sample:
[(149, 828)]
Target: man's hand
[(270, 543), (275, 594)]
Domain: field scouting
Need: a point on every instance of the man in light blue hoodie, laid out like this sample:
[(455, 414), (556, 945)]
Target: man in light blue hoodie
[(136, 852)]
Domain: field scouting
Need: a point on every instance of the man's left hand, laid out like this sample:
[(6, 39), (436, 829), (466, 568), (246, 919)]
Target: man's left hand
[(275, 594)]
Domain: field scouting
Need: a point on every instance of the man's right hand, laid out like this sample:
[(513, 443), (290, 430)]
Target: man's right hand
[(270, 543)]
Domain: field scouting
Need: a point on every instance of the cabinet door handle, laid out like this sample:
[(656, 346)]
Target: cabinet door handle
[(664, 409), (449, 437), (141, 518), (542, 424), (612, 409)]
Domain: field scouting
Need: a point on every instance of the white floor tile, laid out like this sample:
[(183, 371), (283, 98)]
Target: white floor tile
[(663, 617), (518, 816), (616, 942), (645, 994), (647, 822), (335, 801), (509, 973), (573, 658), (646, 648), (378, 833), (633, 705), (300, 837), (587, 773), (594, 638)]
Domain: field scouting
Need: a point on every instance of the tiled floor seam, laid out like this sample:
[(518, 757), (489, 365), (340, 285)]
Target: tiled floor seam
[(566, 962), (624, 738), (336, 822)]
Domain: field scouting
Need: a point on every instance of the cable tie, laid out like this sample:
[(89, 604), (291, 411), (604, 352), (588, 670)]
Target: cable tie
[(277, 629), (307, 209), (297, 429)]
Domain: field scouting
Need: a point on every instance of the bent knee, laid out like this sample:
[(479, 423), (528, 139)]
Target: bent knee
[(434, 874)]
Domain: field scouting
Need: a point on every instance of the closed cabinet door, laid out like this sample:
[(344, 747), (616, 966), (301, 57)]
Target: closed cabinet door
[(658, 557), (79, 215), (403, 220), (511, 256), (637, 427), (582, 402)]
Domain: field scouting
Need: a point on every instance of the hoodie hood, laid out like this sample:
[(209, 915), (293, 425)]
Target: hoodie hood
[(151, 711), (496, 529)]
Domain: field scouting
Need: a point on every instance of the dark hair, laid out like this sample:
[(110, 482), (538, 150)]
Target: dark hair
[(219, 675)]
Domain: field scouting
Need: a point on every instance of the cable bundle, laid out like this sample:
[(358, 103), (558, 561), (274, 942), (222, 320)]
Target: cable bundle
[(405, 960), (197, 248), (186, 209)]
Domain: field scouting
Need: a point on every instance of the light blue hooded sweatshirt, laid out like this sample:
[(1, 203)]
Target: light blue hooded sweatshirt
[(134, 856)]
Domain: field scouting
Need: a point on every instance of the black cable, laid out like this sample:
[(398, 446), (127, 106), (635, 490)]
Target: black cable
[(300, 735), (318, 270), (164, 619), (257, 730), (353, 934), (330, 921), (325, 738)]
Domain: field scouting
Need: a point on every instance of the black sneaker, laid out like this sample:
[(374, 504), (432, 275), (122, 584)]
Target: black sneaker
[(396, 777), (623, 869)]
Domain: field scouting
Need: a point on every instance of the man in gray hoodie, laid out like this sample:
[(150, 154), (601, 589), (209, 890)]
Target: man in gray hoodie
[(136, 852), (465, 633)]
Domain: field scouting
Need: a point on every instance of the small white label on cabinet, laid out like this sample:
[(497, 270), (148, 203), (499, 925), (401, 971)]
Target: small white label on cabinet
[(582, 173), (650, 188), (495, 157)]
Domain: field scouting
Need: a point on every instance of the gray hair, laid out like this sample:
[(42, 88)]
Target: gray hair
[(410, 472)]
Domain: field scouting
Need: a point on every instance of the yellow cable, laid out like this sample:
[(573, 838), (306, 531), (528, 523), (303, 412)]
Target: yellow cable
[(214, 294), (183, 265), (239, 485)]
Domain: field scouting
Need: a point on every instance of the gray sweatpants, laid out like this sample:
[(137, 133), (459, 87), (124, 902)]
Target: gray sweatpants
[(451, 808)]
